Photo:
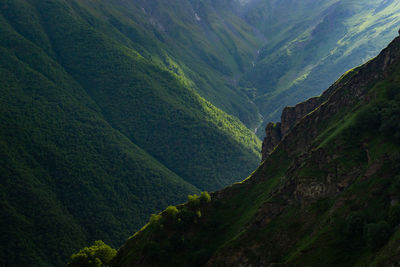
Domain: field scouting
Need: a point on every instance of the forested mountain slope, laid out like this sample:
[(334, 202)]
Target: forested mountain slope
[(204, 40), (258, 56), (113, 109), (327, 195), (94, 136)]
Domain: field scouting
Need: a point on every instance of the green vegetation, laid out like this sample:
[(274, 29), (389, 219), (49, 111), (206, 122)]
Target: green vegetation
[(113, 110), (305, 55), (326, 196), (394, 215), (205, 197), (377, 234), (171, 211), (195, 200), (97, 255), (96, 133)]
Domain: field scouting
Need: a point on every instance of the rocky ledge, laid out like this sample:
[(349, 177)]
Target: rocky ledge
[(274, 132)]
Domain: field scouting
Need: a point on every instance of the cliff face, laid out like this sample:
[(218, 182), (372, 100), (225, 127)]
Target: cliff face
[(326, 195), (274, 132), (344, 93)]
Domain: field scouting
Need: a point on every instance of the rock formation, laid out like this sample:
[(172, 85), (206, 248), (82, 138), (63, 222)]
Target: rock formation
[(346, 91), (274, 132)]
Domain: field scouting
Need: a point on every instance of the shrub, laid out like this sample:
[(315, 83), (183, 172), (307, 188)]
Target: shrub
[(390, 121), (205, 197), (369, 118), (97, 255), (194, 200), (376, 234), (171, 211), (198, 213), (155, 218), (392, 91)]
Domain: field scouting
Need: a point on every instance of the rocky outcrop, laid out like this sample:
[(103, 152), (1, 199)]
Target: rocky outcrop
[(305, 190), (344, 93), (274, 132), (292, 115), (273, 136)]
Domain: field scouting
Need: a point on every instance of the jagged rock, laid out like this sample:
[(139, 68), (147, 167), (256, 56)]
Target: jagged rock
[(343, 93), (292, 115), (304, 190), (274, 132), (272, 138)]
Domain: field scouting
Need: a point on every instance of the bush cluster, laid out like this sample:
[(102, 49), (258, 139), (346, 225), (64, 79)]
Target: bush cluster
[(383, 116), (97, 255), (195, 200), (374, 234), (171, 211)]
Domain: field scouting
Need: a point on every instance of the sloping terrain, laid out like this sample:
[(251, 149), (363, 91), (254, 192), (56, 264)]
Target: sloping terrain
[(250, 58), (203, 40), (310, 44), (327, 195), (94, 136), (113, 109)]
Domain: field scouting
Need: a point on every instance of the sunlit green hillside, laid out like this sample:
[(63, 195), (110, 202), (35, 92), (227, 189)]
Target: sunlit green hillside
[(112, 110), (308, 48), (96, 135), (328, 195)]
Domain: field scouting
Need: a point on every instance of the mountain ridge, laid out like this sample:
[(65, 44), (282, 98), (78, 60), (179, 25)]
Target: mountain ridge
[(94, 134), (325, 195), (112, 110)]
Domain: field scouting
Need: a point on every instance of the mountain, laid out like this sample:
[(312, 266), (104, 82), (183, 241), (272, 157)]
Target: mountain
[(203, 40), (309, 44), (253, 58), (113, 109), (96, 134), (327, 194)]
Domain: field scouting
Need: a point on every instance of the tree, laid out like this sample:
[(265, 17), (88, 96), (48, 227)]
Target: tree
[(205, 197), (171, 211), (97, 255)]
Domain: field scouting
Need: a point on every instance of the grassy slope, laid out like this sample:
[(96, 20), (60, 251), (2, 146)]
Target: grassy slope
[(302, 207), (77, 101), (304, 56)]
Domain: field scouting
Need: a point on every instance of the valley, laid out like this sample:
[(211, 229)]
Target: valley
[(113, 110), (327, 194)]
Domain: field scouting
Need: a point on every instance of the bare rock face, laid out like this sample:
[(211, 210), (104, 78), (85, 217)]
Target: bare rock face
[(274, 132), (344, 93), (272, 138), (291, 115)]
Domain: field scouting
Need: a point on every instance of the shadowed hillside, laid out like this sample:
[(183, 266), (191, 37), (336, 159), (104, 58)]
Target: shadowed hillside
[(328, 194)]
